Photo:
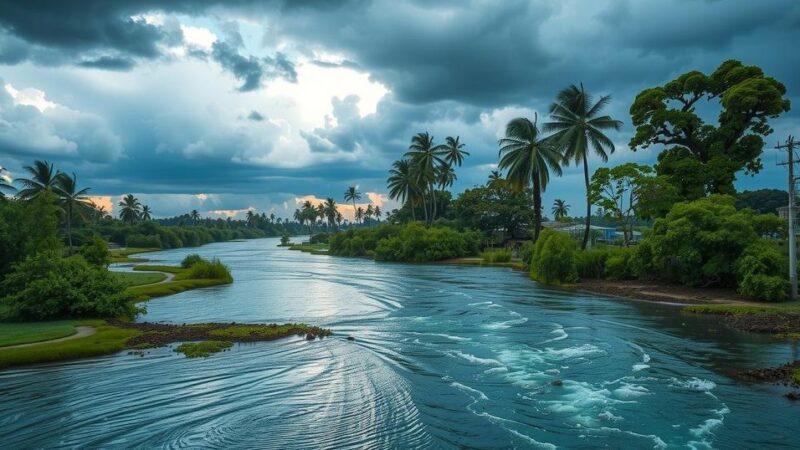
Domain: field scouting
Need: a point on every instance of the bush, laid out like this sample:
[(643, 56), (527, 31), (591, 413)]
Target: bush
[(526, 253), (95, 251), (320, 238), (500, 255), (591, 263), (618, 264), (415, 243), (284, 239), (761, 270), (47, 287), (553, 259), (191, 260), (144, 241), (208, 270)]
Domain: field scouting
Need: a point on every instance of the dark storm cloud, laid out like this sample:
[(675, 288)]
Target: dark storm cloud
[(255, 116), (252, 71), (108, 63)]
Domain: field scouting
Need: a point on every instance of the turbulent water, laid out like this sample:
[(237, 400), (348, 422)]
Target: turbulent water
[(443, 357)]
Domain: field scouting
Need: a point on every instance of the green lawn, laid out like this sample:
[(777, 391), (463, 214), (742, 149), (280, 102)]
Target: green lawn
[(26, 332), (130, 279), (159, 268), (785, 307)]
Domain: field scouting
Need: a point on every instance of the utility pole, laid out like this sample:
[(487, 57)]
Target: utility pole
[(789, 147)]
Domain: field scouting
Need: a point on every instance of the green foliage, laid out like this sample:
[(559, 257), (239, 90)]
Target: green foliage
[(761, 270), (190, 260), (320, 238), (207, 270), (526, 253), (415, 243), (95, 251), (267, 332), (496, 255), (28, 228), (129, 279), (203, 349), (149, 291), (47, 286), (26, 332), (495, 206), (618, 264), (591, 263), (143, 240), (703, 158), (762, 200), (553, 259), (284, 239)]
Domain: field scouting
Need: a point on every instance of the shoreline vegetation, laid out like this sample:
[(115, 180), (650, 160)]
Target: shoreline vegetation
[(26, 343)]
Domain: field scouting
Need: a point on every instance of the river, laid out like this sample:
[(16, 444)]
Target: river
[(443, 357)]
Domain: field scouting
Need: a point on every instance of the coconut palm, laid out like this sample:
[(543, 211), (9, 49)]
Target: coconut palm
[(73, 200), (402, 184), (130, 209), (368, 213), (577, 127), (250, 218), (42, 178), (351, 195), (560, 209), (194, 215), (453, 151), (299, 217), (5, 185), (446, 176), (339, 218), (359, 215), (146, 213), (329, 211), (529, 159), (377, 212), (426, 158)]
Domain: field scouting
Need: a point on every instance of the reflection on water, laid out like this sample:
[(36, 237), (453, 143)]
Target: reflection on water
[(443, 357)]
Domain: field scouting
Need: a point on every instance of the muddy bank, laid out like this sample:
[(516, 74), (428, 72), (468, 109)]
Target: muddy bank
[(661, 292)]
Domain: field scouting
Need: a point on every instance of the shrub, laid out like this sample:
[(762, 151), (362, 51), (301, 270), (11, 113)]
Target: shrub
[(284, 239), (415, 243), (320, 238), (191, 260), (144, 241), (618, 263), (526, 253), (761, 270), (499, 255), (208, 270), (95, 251), (591, 263), (46, 287), (553, 259)]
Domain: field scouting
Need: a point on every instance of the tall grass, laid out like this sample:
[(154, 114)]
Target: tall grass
[(208, 270), (500, 255)]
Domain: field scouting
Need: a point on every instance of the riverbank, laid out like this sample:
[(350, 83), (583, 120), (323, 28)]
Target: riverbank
[(39, 342)]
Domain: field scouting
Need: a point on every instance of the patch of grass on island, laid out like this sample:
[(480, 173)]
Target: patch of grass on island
[(314, 249), (199, 274), (130, 279), (123, 254), (267, 332), (14, 333), (203, 349)]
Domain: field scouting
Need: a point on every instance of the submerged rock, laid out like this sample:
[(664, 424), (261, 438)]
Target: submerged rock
[(557, 382), (351, 338), (310, 337), (793, 395)]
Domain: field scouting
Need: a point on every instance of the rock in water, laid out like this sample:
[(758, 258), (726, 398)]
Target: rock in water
[(310, 337), (351, 338), (557, 382), (794, 395)]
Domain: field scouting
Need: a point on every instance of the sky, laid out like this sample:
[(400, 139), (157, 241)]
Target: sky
[(225, 106)]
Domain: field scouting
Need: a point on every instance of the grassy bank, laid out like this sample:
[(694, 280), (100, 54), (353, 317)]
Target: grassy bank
[(27, 332), (314, 249), (130, 279), (123, 255)]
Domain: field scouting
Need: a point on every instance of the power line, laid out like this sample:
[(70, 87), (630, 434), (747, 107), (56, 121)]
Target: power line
[(789, 146)]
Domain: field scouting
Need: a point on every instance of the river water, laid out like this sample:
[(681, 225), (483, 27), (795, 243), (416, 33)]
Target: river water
[(443, 357)]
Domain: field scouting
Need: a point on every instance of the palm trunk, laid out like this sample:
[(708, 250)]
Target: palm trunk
[(588, 204), (537, 208), (69, 228), (433, 204), (354, 210), (413, 213), (425, 208)]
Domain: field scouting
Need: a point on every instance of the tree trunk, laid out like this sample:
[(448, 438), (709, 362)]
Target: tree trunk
[(425, 208), (413, 213), (354, 210), (588, 204), (537, 208), (433, 204), (69, 228)]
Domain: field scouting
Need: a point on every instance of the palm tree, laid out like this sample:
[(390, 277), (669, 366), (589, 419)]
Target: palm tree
[(330, 211), (300, 217), (529, 159), (577, 126), (402, 184), (146, 213), (73, 200), (352, 194), (130, 209), (339, 218), (250, 218), (454, 155), (426, 158), (377, 212), (195, 216), (446, 176), (359, 215), (560, 209), (43, 177), (5, 185), (368, 213)]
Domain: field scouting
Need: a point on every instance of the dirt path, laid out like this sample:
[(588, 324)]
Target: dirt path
[(81, 332)]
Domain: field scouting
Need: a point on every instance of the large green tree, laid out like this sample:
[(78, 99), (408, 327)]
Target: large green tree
[(702, 158), (351, 195), (130, 209), (427, 158), (528, 160), (579, 129), (402, 184)]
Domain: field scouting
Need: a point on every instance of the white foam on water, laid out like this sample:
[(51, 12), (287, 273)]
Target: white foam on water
[(658, 443), (693, 384), (496, 370), (638, 367), (475, 359), (479, 303), (446, 336), (560, 335), (609, 416), (473, 393), (630, 391), (501, 423), (580, 351), (705, 431), (505, 324)]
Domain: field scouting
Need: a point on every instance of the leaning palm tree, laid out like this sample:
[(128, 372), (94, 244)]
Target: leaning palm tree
[(351, 195), (5, 183), (131, 208), (560, 209), (359, 215), (73, 200), (529, 159), (146, 213), (577, 126), (42, 178), (402, 184), (426, 158), (454, 153)]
